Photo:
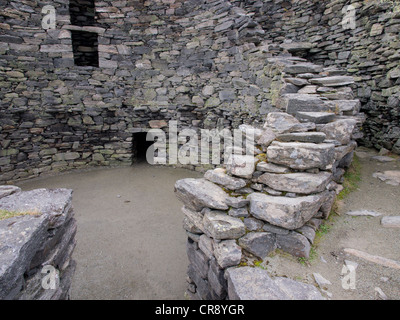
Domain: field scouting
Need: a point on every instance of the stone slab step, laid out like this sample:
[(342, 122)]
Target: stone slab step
[(316, 117)]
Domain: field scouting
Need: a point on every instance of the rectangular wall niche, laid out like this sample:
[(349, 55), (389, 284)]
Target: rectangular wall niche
[(85, 48), (82, 12)]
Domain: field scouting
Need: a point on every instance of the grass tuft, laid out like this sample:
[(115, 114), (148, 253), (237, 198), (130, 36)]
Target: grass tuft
[(5, 214)]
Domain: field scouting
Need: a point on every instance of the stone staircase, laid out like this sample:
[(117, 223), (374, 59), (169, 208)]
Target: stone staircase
[(280, 196)]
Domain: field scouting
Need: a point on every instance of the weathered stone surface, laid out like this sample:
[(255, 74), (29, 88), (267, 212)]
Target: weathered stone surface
[(197, 259), (193, 221), (216, 280), (8, 190), (297, 290), (248, 283), (313, 137), (239, 212), (390, 222), (21, 237), (241, 166), (289, 213), (199, 193), (258, 243), (270, 167), (299, 155), (281, 122), (294, 243), (206, 246), (220, 226), (54, 203), (220, 177), (316, 117), (335, 81), (297, 102), (237, 202), (391, 177), (227, 253), (302, 68), (301, 182), (340, 130)]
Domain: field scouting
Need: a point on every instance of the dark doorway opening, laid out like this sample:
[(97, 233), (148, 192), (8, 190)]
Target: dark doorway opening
[(140, 146), (85, 48)]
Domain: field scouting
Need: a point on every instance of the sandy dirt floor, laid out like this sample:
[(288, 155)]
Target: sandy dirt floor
[(131, 244), (130, 240)]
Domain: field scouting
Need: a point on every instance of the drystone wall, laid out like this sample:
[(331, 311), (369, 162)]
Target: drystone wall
[(189, 61), (278, 197), (36, 245), (364, 42)]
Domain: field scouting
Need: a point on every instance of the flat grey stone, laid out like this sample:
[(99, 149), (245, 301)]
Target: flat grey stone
[(248, 283), (239, 212), (297, 290), (258, 243), (305, 67), (227, 253), (363, 213), (281, 122), (339, 130), (300, 182), (294, 243), (56, 203), (314, 137), (334, 81), (20, 238), (270, 167), (241, 165), (289, 213), (316, 117), (200, 193), (391, 177), (390, 222), (221, 226), (237, 202), (8, 190), (193, 221), (220, 177), (301, 155)]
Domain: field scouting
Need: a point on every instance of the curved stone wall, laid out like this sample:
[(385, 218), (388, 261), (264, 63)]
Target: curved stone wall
[(361, 37)]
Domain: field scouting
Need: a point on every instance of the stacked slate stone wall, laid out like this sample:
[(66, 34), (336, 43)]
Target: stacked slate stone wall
[(278, 197), (370, 51), (191, 61), (36, 244)]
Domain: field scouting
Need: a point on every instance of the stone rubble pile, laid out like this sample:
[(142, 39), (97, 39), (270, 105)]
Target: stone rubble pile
[(36, 250), (280, 196)]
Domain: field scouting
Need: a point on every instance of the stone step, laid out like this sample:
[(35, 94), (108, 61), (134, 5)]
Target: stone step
[(293, 103), (303, 68), (299, 182), (333, 81), (314, 137), (316, 117), (348, 107), (301, 155)]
